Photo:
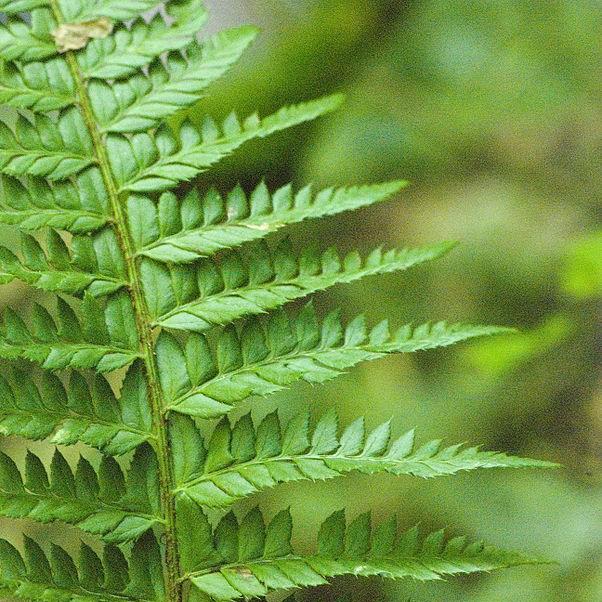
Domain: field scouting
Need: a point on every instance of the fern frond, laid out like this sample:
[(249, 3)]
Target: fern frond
[(118, 10), (44, 147), (84, 10), (13, 7), (78, 207), (240, 460), (91, 264), (27, 39), (259, 559), (220, 292), (58, 577), (173, 84), (264, 358), (183, 231), (77, 412), (98, 502), (88, 155), (129, 49), (39, 87), (104, 339), (148, 163)]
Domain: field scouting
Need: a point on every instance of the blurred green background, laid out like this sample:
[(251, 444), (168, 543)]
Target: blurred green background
[(493, 110)]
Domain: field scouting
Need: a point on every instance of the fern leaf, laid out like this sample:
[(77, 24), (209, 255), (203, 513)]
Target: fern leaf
[(100, 503), (118, 10), (88, 155), (13, 7), (259, 559), (219, 292), (104, 340), (58, 577), (141, 102), (28, 39), (84, 10), (96, 265), (264, 358), (242, 460), (78, 207), (144, 163), (181, 232), (129, 49), (77, 412), (55, 150), (39, 87)]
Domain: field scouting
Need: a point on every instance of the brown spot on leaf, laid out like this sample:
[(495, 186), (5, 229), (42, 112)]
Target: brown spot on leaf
[(243, 571), (73, 36)]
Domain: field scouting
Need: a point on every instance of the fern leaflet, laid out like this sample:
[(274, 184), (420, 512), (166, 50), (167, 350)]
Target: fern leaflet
[(181, 232), (260, 558), (47, 148), (139, 103), (27, 40), (39, 87), (96, 502), (240, 460), (97, 338), (131, 48), (264, 358), (56, 576), (77, 412), (94, 266), (219, 293), (161, 161), (33, 204)]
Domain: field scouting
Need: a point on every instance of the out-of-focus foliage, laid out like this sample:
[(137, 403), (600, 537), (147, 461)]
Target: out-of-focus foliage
[(582, 275), (492, 109)]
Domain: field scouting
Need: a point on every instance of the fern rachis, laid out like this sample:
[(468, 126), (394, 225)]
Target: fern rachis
[(182, 293)]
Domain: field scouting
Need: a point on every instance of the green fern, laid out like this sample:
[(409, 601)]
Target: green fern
[(102, 503), (79, 207), (260, 558), (181, 231), (131, 48), (40, 408), (184, 296), (215, 293), (240, 460), (90, 265)]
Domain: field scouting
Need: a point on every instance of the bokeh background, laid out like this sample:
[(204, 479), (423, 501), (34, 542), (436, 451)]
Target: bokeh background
[(492, 109)]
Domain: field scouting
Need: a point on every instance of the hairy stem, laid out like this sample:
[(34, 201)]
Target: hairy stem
[(173, 584)]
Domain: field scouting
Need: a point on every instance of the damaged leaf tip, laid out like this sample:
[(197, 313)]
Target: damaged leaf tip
[(73, 36)]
